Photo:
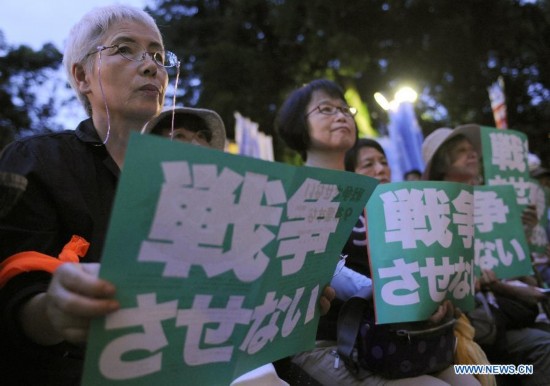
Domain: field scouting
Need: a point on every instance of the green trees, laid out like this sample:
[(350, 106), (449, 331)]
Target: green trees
[(24, 109), (247, 55)]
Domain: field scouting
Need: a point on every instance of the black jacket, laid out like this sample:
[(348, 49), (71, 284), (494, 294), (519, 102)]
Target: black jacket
[(71, 186)]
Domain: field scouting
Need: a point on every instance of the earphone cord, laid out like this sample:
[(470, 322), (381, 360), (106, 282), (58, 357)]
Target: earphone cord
[(174, 100), (105, 101)]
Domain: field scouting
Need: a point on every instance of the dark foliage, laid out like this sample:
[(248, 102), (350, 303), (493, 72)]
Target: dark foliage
[(246, 55), (22, 72)]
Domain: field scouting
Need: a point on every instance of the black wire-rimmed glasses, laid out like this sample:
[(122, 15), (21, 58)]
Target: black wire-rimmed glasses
[(136, 53), (328, 109)]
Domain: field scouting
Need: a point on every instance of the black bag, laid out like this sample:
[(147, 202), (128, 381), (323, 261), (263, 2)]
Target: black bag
[(491, 319), (487, 326), (516, 314), (397, 350)]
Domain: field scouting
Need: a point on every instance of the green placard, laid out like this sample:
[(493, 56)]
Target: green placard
[(505, 160), (219, 262), (421, 248), (500, 241)]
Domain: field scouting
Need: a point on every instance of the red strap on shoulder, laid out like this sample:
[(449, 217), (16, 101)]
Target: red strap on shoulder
[(28, 261)]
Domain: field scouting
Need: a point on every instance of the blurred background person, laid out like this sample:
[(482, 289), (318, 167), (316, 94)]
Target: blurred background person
[(412, 175), (192, 125)]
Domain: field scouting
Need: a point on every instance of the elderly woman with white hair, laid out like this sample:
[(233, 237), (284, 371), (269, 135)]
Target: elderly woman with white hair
[(116, 62)]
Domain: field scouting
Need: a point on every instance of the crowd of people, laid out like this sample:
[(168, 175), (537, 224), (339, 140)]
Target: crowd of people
[(57, 192)]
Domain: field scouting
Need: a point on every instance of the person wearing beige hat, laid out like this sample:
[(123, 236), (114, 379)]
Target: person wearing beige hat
[(455, 155), (193, 125)]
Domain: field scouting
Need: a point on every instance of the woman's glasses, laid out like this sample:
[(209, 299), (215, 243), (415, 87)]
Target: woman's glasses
[(135, 52), (328, 109)]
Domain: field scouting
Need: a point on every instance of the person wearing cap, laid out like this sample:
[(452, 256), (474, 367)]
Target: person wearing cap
[(455, 155), (198, 126)]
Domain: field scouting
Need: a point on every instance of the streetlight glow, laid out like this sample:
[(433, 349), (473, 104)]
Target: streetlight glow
[(406, 94)]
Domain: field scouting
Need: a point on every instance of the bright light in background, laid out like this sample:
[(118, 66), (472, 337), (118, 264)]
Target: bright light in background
[(404, 94), (404, 141)]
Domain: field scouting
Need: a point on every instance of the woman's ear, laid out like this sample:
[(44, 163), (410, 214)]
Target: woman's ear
[(81, 77)]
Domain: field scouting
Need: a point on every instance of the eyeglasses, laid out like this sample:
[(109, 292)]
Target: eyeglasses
[(327, 109), (136, 53)]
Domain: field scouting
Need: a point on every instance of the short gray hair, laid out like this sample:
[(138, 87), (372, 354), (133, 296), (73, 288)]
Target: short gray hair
[(88, 33)]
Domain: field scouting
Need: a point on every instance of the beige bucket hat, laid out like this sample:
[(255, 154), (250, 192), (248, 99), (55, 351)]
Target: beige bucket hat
[(210, 117)]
